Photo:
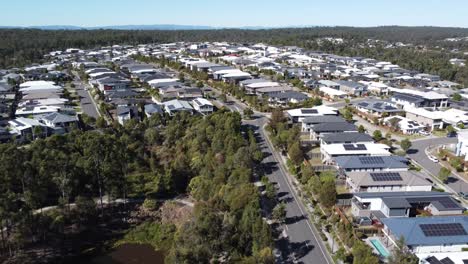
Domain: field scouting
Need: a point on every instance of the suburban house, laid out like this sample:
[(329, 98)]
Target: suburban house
[(382, 205), (377, 108), (24, 128), (59, 122), (112, 83), (316, 131), (309, 122), (331, 151), (352, 88), (359, 163), (403, 124), (430, 119), (408, 97), (202, 106), (126, 113), (332, 93), (152, 109), (296, 115), (346, 138), (175, 106), (402, 181), (428, 235), (288, 97)]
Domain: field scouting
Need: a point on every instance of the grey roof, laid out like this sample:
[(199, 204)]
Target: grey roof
[(442, 201), (407, 178), (408, 98), (123, 110), (155, 76), (351, 84), (59, 118), (323, 119), (250, 81), (333, 127), (347, 137), (378, 106), (410, 229), (153, 108), (290, 95), (355, 162), (396, 203)]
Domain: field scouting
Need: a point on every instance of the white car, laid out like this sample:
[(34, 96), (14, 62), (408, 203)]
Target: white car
[(424, 133), (433, 159)]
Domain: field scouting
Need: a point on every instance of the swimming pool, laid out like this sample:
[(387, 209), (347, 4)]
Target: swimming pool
[(380, 248)]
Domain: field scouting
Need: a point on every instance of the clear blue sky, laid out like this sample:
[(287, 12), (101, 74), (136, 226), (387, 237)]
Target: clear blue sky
[(233, 13)]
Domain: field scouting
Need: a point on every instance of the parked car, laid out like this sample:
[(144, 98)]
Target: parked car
[(452, 134), (433, 159), (463, 195), (425, 133)]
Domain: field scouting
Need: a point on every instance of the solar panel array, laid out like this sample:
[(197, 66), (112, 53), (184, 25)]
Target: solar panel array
[(448, 202), (371, 160), (446, 260), (386, 176), (449, 229), (309, 111), (354, 147)]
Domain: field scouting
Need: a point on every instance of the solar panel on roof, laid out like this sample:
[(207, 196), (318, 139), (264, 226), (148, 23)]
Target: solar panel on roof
[(171, 107), (432, 260), (309, 111), (371, 160), (386, 176), (449, 229), (446, 260), (350, 147), (447, 202)]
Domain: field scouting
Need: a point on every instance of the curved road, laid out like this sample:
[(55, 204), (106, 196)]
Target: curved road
[(418, 154)]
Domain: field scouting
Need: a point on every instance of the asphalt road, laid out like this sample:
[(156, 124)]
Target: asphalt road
[(87, 104), (302, 243), (418, 154)]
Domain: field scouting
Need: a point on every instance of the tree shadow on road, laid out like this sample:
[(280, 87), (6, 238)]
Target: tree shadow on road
[(294, 219), (291, 252)]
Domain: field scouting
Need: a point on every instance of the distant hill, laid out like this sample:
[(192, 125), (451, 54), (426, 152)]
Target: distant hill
[(144, 27), (116, 27)]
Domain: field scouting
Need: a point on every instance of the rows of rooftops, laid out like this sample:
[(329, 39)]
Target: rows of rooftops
[(384, 188)]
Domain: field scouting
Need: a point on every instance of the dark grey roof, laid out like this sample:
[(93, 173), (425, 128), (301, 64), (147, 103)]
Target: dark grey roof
[(333, 127), (290, 95), (378, 106), (351, 84), (59, 118), (153, 108), (323, 119), (408, 98), (346, 137), (356, 162), (396, 203), (123, 110)]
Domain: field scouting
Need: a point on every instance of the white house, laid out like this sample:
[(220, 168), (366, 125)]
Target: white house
[(331, 151), (202, 106)]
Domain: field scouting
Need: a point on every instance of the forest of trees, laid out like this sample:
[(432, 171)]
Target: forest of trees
[(210, 158)]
